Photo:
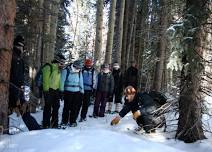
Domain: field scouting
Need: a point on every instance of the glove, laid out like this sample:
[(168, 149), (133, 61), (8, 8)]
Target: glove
[(136, 114), (115, 121)]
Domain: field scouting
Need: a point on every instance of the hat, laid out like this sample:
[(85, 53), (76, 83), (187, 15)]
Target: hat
[(129, 90), (77, 64), (18, 41), (88, 63), (105, 66), (116, 65), (60, 58)]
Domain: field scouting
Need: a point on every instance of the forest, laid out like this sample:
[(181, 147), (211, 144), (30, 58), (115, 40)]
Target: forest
[(169, 40)]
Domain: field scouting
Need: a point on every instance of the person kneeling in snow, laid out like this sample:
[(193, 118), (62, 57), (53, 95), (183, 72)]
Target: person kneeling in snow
[(143, 107)]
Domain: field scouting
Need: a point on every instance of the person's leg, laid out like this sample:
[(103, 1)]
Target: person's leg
[(85, 104), (66, 108), (30, 122), (55, 108), (110, 105), (97, 103), (103, 104), (75, 107), (46, 111), (118, 102)]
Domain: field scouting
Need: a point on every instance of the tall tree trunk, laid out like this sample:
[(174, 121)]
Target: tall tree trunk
[(140, 36), (99, 27), (162, 47), (124, 40), (190, 124), (117, 44), (110, 33), (40, 34), (8, 12), (46, 32), (53, 26), (131, 28)]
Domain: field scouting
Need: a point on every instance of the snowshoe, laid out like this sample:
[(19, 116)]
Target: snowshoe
[(93, 116), (73, 124), (63, 126), (108, 112), (82, 119)]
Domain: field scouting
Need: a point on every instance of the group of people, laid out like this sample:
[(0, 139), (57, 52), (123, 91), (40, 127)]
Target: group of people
[(75, 84)]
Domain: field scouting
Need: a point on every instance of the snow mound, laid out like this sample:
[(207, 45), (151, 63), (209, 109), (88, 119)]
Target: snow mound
[(75, 140)]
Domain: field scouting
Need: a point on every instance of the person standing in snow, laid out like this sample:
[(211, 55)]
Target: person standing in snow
[(51, 74), (17, 100), (105, 86), (72, 85), (117, 92), (143, 107), (131, 75), (89, 81)]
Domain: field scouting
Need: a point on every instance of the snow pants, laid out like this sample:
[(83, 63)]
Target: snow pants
[(85, 103), (72, 103), (51, 107), (100, 103)]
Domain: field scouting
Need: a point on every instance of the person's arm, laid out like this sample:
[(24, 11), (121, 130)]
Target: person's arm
[(81, 83), (95, 79), (46, 74), (62, 79), (126, 108), (111, 84)]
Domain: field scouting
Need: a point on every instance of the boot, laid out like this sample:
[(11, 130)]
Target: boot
[(109, 109), (117, 108)]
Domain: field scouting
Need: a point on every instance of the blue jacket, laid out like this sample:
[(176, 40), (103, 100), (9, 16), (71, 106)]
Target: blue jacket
[(89, 78), (71, 80)]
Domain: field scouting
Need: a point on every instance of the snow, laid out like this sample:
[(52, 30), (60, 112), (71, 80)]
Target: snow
[(95, 135)]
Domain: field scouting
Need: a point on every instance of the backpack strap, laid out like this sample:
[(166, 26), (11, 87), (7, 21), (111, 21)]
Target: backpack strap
[(68, 72), (92, 72)]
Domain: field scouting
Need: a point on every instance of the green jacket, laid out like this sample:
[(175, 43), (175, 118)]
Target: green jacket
[(51, 77)]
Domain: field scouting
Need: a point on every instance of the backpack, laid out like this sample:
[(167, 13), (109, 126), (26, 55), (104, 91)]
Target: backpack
[(39, 75), (87, 78), (158, 97)]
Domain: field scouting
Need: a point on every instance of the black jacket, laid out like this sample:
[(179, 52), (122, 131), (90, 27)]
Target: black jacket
[(118, 83), (143, 102), (17, 77)]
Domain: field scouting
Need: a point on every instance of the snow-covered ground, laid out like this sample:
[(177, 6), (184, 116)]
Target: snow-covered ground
[(96, 135)]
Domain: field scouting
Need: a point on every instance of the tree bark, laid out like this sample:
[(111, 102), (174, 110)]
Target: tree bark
[(46, 32), (99, 26), (162, 47), (53, 26), (124, 40), (117, 44), (7, 16), (131, 28), (190, 124), (110, 33)]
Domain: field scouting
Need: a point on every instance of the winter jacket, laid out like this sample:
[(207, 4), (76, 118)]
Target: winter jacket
[(72, 80), (51, 77), (143, 102), (17, 77), (131, 77), (17, 68), (89, 78), (118, 86), (147, 107), (105, 82)]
